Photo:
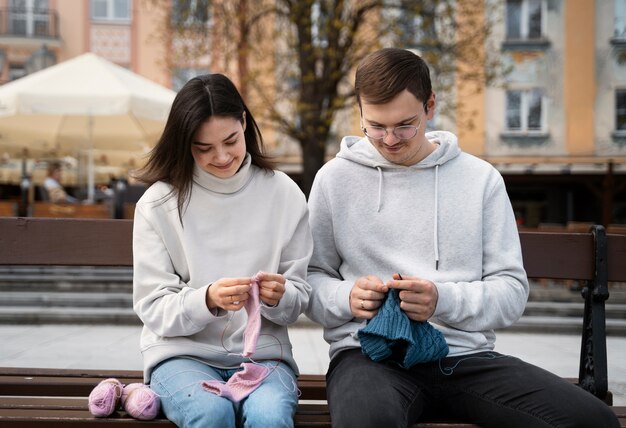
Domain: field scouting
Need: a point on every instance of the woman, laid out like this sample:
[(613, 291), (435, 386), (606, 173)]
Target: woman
[(215, 223)]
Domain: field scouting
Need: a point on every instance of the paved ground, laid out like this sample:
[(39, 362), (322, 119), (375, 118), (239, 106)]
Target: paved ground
[(116, 347)]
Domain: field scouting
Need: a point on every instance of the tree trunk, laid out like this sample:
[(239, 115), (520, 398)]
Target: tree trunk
[(242, 49), (312, 160)]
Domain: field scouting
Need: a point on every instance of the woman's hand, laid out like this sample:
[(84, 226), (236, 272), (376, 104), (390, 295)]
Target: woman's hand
[(228, 293), (271, 288)]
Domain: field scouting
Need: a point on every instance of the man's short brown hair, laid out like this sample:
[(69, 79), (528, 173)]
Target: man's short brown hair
[(385, 73)]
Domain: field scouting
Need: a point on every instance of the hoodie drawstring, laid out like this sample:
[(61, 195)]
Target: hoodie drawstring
[(380, 187), (436, 235)]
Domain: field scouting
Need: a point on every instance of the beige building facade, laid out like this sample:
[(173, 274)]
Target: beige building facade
[(121, 31), (556, 126)]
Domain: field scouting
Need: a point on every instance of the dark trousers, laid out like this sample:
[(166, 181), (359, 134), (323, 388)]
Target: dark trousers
[(488, 389)]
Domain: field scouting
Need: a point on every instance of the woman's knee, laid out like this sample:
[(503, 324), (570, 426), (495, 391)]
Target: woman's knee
[(274, 403), (178, 383), (270, 417), (193, 410)]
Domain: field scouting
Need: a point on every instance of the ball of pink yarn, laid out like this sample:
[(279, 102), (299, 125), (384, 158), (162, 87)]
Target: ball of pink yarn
[(140, 401), (104, 399)]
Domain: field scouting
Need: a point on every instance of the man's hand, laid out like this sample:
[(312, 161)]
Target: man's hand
[(418, 297), (366, 296)]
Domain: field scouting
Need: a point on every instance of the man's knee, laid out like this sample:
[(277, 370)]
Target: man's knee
[(595, 413), (367, 394), (373, 418)]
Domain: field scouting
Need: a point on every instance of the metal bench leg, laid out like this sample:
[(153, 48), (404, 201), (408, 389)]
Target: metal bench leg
[(592, 374)]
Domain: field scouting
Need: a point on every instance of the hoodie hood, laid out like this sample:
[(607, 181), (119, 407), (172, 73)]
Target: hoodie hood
[(361, 151)]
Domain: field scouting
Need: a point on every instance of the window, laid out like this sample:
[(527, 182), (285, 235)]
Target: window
[(418, 29), (189, 13), (180, 76), (525, 111), (619, 31), (16, 71), (524, 19), (620, 111), (28, 17), (110, 10)]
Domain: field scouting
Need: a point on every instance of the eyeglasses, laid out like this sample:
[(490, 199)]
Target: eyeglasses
[(404, 132)]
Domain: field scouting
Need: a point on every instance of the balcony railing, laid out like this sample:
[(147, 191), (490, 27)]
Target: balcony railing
[(29, 23)]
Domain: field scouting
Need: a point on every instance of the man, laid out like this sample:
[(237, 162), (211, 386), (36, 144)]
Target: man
[(406, 213), (52, 185)]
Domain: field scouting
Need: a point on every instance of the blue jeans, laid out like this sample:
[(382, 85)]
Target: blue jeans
[(177, 381), (488, 389)]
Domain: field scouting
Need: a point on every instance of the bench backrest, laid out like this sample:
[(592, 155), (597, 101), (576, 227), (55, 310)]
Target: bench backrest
[(90, 242)]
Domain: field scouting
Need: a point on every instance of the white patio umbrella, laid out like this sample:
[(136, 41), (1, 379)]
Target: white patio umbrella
[(84, 104)]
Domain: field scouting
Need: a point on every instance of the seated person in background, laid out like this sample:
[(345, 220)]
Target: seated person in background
[(56, 193)]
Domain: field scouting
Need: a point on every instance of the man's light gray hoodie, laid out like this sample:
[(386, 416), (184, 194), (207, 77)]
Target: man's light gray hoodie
[(447, 219)]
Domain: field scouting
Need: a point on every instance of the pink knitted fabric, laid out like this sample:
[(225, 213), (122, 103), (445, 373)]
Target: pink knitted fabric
[(253, 328), (241, 384)]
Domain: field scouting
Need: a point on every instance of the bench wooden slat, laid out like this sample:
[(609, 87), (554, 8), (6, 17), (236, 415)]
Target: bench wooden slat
[(79, 383), (53, 418), (568, 254), (23, 418), (307, 413), (71, 242), (40, 413), (617, 257), (53, 403), (8, 209), (70, 373), (52, 210), (80, 403), (76, 387)]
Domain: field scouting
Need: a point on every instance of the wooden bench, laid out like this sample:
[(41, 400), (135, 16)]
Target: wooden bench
[(8, 208), (49, 209), (58, 397)]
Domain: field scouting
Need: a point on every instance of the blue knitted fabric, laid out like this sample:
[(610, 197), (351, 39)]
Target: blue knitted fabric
[(392, 335)]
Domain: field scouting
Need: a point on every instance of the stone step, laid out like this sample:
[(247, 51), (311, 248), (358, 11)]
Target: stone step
[(67, 299), (78, 287), (617, 294), (64, 315), (565, 325), (568, 309), (65, 273)]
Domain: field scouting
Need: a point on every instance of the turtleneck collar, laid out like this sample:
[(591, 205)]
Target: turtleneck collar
[(224, 186)]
